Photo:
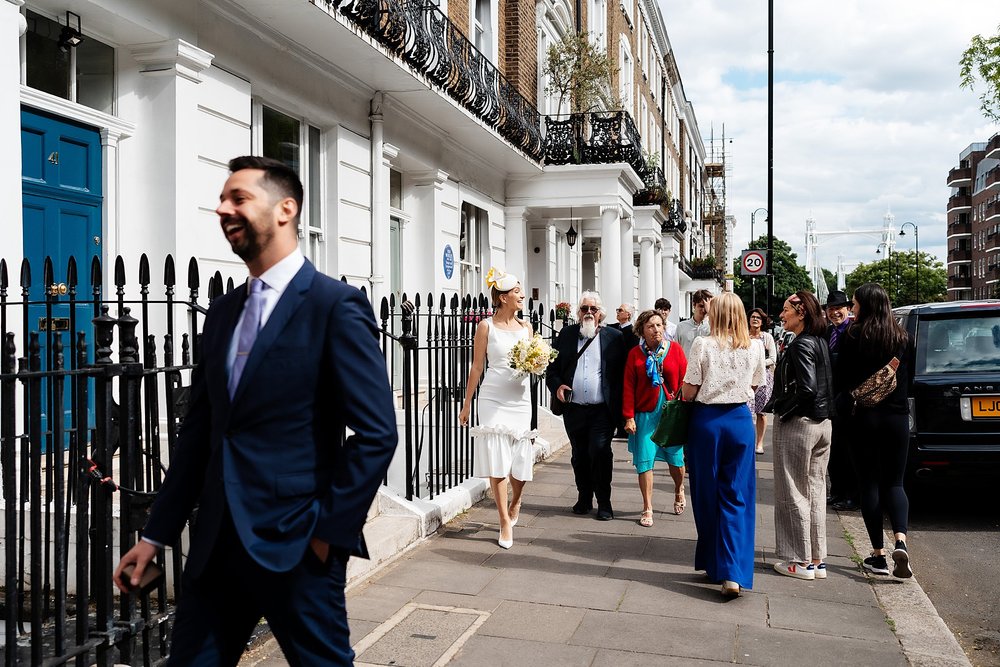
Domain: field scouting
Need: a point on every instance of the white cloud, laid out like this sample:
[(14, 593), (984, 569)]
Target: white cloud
[(868, 112)]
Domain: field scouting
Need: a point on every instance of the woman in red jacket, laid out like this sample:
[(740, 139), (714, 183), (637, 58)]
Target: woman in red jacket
[(653, 373)]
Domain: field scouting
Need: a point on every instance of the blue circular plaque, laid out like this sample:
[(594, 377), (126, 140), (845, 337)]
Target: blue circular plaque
[(449, 262)]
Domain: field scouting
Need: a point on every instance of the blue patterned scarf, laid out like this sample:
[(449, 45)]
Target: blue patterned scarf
[(654, 361)]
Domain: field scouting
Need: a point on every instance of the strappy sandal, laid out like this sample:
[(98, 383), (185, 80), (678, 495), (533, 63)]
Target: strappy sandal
[(646, 519), (679, 505)]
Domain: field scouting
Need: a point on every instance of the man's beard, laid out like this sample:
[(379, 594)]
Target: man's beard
[(588, 327), (252, 244)]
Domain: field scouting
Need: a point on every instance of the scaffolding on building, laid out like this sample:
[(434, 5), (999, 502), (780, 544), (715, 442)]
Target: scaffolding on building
[(717, 169)]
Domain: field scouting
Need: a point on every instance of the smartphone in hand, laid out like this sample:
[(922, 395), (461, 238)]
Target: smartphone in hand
[(150, 577)]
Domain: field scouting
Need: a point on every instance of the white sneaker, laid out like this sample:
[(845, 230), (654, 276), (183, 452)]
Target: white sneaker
[(794, 569), (819, 571)]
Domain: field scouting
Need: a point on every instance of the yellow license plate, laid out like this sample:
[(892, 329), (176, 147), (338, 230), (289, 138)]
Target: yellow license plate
[(985, 407)]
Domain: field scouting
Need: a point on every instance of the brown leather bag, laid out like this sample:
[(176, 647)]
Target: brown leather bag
[(874, 390)]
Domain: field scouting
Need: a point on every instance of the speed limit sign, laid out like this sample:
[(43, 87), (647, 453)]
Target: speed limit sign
[(753, 263)]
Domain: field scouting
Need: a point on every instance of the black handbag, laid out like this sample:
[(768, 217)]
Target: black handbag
[(557, 407)]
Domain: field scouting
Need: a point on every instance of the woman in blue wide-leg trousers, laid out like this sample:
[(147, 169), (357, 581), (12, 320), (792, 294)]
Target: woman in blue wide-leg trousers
[(720, 457)]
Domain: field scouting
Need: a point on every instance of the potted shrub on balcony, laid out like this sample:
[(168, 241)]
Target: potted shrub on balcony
[(703, 267)]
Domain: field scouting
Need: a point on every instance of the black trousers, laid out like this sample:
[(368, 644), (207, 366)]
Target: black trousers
[(879, 444), (590, 429), (843, 479), (219, 609)]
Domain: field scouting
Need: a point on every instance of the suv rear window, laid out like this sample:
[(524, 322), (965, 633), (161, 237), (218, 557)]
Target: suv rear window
[(958, 342)]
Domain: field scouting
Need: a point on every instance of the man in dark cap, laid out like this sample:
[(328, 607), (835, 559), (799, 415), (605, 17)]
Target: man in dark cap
[(843, 482)]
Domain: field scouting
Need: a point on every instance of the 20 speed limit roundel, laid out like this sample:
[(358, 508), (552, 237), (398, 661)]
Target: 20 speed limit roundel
[(753, 263)]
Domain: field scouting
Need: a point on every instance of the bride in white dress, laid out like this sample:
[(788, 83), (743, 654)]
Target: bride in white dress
[(502, 438)]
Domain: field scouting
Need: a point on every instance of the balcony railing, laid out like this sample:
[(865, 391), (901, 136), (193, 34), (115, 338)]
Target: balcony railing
[(958, 282), (992, 241), (993, 147), (959, 201), (959, 228), (675, 219), (992, 178), (959, 175), (655, 191), (420, 33), (596, 137), (959, 255), (992, 211)]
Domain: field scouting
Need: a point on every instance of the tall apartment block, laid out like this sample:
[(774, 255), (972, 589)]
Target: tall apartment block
[(974, 223)]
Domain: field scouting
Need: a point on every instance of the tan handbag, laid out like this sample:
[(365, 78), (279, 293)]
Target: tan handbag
[(873, 391)]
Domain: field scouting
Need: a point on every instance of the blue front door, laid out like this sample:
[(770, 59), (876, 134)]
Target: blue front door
[(61, 203)]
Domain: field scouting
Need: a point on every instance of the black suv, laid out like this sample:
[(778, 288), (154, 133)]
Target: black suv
[(955, 397)]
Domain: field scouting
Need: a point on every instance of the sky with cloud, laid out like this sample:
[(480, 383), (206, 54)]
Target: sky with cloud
[(868, 115)]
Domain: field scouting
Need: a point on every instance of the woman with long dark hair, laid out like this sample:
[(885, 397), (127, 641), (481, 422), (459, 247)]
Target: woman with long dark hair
[(802, 403), (878, 434)]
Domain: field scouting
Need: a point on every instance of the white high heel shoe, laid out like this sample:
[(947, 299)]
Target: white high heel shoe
[(506, 544)]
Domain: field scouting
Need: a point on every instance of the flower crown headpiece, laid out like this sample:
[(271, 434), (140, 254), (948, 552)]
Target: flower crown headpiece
[(502, 282)]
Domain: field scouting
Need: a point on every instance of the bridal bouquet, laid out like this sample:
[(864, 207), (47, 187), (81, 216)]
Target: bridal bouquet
[(531, 356)]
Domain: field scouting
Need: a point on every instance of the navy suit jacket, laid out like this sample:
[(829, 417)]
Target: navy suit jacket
[(562, 370), (274, 456)]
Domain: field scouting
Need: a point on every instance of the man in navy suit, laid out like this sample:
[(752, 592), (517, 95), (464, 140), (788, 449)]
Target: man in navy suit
[(281, 496), (587, 376)]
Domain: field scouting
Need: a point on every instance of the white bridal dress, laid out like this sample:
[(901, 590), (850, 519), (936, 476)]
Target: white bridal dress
[(502, 439)]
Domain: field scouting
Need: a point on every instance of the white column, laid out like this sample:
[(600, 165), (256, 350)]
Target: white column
[(628, 262), (424, 247), (381, 251), (516, 246), (611, 256), (647, 274), (12, 26), (658, 270), (671, 281)]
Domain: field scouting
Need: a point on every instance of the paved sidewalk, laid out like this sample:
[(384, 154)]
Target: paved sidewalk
[(576, 591)]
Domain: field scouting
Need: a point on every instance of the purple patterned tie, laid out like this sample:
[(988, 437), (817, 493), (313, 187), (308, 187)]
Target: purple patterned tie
[(248, 332)]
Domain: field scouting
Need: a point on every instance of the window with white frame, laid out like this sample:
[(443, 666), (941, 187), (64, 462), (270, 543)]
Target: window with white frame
[(298, 144), (473, 244), (626, 75), (482, 28), (84, 73), (597, 18)]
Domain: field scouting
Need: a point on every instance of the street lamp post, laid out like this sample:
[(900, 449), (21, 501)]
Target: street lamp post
[(888, 256), (753, 279), (916, 250)]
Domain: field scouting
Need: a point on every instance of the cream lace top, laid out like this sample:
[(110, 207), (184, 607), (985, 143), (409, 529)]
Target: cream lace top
[(725, 375)]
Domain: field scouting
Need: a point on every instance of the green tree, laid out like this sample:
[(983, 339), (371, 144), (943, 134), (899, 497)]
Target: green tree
[(830, 278), (981, 61), (898, 275), (789, 277), (578, 70)]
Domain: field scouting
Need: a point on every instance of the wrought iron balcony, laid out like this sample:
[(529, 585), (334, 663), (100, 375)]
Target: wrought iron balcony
[(675, 219), (596, 137), (423, 36), (655, 191)]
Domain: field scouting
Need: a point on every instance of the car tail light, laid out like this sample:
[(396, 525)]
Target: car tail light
[(912, 406)]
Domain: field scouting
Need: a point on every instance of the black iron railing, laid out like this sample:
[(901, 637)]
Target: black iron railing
[(92, 393), (596, 137), (428, 342), (675, 218), (85, 388), (420, 33)]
